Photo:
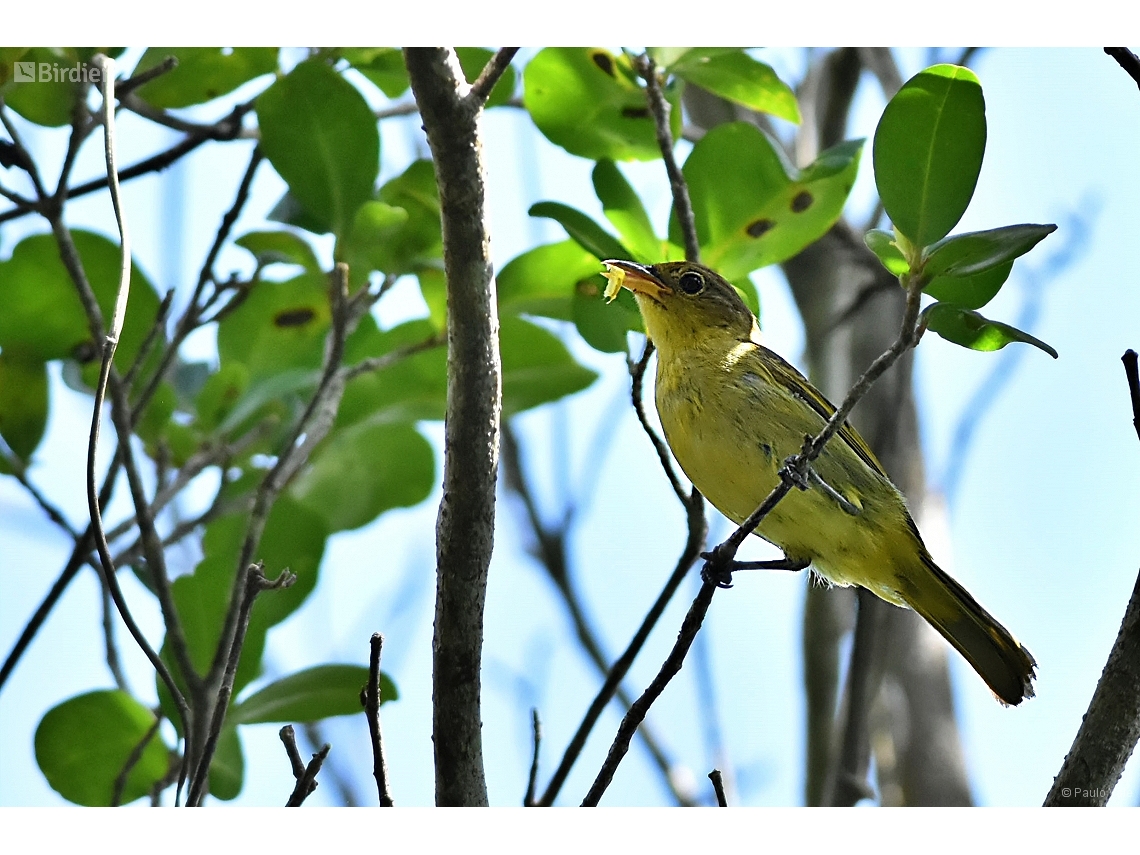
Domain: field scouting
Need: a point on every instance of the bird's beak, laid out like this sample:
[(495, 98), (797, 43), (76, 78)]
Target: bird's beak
[(636, 277)]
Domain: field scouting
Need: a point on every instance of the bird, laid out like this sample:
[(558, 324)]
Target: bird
[(733, 411)]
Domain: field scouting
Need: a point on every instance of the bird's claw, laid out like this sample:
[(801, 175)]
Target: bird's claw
[(716, 571)]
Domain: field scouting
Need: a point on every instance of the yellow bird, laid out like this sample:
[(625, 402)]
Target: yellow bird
[(733, 411)]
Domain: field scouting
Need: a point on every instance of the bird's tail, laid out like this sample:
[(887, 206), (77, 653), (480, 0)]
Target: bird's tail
[(999, 658)]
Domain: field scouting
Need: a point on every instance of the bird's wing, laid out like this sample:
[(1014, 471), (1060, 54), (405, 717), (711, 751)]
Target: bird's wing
[(796, 384)]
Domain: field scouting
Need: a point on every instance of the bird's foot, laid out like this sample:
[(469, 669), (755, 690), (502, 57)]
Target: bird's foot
[(719, 568)]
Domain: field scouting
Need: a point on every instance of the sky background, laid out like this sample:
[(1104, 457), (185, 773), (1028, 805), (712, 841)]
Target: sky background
[(1036, 515)]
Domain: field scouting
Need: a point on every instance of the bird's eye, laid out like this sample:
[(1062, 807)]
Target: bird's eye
[(692, 282)]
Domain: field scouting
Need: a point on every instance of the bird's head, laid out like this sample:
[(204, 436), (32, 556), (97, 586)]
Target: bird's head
[(682, 303)]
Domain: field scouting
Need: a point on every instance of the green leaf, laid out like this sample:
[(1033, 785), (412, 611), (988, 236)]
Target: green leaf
[(589, 235), (408, 390), (23, 403), (975, 252), (624, 210), (537, 367), (280, 247), (739, 78), (751, 207), (472, 60), (321, 137), (48, 100), (543, 280), (970, 292), (886, 250), (928, 151), (42, 316), (590, 102), (310, 695), (363, 470), (202, 73), (82, 746), (227, 770), (370, 243), (969, 269), (280, 326), (604, 325), (418, 243), (433, 288), (381, 65), (969, 329)]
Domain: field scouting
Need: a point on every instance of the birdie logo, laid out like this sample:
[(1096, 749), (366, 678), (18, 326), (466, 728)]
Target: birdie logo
[(53, 72)]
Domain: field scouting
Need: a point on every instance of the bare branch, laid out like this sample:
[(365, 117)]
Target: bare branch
[(1127, 60), (306, 775), (1133, 377), (255, 583), (718, 787), (132, 760), (681, 202), (698, 528), (489, 76), (637, 373), (532, 779), (551, 552), (637, 712), (372, 701), (1111, 728)]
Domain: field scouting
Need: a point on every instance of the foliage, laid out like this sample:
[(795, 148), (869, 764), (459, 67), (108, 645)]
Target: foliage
[(274, 322)]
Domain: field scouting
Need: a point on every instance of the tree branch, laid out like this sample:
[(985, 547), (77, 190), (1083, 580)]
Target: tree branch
[(372, 701), (466, 525), (489, 76), (1111, 728), (306, 775), (1127, 60)]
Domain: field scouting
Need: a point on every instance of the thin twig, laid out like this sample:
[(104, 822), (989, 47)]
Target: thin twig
[(192, 318), (489, 76), (385, 360), (532, 779), (637, 374), (637, 712), (17, 468), (132, 760), (255, 583), (1127, 60), (22, 157), (120, 410), (79, 555), (372, 701), (718, 787), (141, 78), (110, 646), (698, 528), (110, 341), (551, 552), (660, 108), (289, 739), (314, 424), (306, 775), (1133, 377), (226, 129)]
